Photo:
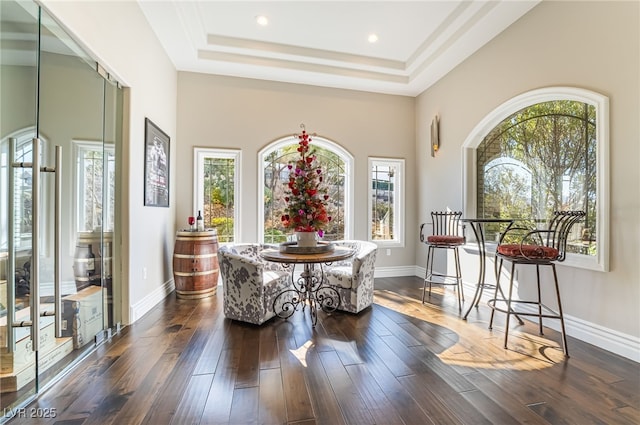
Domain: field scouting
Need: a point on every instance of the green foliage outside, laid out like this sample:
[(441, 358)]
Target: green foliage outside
[(274, 236), (541, 159), (276, 178), (224, 227), (219, 197)]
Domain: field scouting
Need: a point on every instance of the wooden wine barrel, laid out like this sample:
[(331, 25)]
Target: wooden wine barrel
[(93, 252), (195, 264)]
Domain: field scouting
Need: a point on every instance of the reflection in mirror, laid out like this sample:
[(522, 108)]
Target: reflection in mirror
[(54, 94)]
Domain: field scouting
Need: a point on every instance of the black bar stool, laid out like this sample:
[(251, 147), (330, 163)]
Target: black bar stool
[(447, 233), (523, 246)]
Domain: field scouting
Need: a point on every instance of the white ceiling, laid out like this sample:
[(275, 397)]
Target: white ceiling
[(324, 43)]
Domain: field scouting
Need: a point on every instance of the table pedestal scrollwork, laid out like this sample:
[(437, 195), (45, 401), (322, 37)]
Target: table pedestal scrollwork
[(310, 287)]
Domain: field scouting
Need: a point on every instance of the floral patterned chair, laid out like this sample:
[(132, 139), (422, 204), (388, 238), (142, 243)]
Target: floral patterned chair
[(250, 284), (353, 278)]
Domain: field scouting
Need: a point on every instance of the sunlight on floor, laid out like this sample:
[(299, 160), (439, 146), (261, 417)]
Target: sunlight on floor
[(477, 346), (344, 348), (301, 352)]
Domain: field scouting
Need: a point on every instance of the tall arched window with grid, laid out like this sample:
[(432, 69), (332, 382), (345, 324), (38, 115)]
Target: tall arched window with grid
[(336, 165)]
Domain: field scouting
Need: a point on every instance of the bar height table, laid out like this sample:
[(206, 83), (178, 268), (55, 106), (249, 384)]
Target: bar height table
[(478, 227)]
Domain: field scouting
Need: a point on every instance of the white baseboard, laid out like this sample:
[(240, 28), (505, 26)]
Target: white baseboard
[(139, 309), (608, 339), (622, 344), (395, 271)]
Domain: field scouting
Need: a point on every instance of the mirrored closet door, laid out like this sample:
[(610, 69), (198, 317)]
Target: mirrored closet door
[(60, 128)]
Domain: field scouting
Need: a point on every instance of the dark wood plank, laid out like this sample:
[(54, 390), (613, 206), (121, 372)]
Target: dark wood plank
[(193, 400), (379, 368), (212, 351), (394, 364), (269, 354), (324, 400), (139, 403), (244, 407), (380, 408), (442, 403), (297, 397), (397, 362), (272, 409), (218, 405), (509, 403), (489, 409), (332, 335), (353, 408), (435, 365), (165, 404), (116, 379), (249, 362)]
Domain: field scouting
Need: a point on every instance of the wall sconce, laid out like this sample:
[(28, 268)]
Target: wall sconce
[(435, 135)]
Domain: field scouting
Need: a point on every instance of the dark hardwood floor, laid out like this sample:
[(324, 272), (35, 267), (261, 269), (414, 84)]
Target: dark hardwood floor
[(398, 362)]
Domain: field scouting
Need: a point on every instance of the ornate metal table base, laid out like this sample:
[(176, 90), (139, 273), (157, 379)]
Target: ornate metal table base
[(309, 289)]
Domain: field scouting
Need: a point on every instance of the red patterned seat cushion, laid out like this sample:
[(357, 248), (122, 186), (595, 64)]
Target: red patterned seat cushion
[(538, 252), (445, 240)]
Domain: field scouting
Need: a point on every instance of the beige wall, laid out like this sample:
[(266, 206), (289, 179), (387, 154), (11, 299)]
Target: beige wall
[(226, 112), (592, 45)]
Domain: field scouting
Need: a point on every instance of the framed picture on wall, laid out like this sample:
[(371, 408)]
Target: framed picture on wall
[(156, 165)]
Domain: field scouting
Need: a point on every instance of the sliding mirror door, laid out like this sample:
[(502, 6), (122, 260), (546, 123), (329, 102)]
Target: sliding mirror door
[(18, 129), (57, 214)]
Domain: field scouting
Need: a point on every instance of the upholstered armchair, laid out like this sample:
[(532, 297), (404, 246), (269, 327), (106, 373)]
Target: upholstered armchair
[(353, 278), (250, 284)]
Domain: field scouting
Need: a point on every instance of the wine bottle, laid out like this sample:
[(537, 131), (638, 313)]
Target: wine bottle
[(91, 262), (200, 222)]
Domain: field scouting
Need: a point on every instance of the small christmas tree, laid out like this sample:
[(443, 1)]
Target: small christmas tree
[(305, 196)]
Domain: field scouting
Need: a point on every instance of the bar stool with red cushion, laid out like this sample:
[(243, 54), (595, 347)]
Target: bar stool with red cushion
[(542, 247), (447, 233)]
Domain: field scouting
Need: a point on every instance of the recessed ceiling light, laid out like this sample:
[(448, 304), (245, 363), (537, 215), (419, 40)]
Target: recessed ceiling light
[(372, 38), (262, 20)]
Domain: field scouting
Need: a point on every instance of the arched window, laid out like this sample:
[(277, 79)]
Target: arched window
[(542, 151), (504, 187), (337, 166)]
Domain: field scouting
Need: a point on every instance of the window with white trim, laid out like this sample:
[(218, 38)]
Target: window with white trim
[(541, 151), (95, 189), (217, 190), (386, 201)]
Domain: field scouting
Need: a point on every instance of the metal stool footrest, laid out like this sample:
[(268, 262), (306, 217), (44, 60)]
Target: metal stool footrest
[(552, 314)]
